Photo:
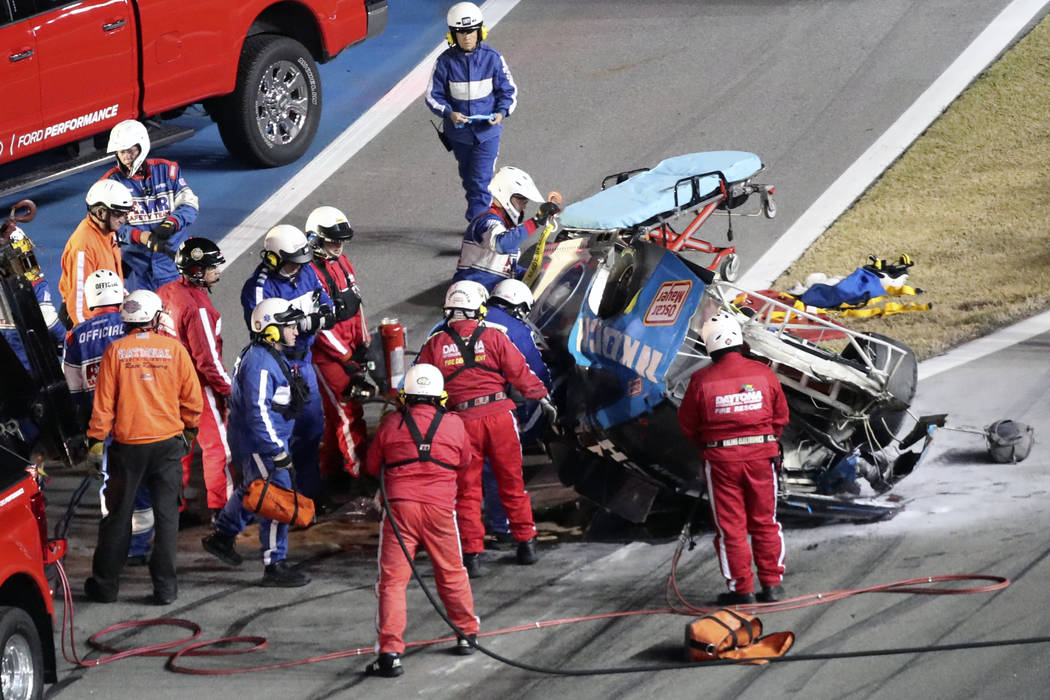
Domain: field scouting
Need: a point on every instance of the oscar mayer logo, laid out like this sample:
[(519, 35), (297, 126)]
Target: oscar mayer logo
[(667, 305)]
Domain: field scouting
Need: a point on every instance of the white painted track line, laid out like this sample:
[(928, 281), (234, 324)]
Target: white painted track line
[(896, 139), (408, 91), (976, 349)]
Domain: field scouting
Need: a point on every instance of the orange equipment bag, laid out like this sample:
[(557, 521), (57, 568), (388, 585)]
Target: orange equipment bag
[(275, 502), (730, 634)]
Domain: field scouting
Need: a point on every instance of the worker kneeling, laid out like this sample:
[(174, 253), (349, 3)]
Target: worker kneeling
[(419, 450)]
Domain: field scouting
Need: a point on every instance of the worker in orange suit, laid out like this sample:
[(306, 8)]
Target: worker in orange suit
[(148, 398)]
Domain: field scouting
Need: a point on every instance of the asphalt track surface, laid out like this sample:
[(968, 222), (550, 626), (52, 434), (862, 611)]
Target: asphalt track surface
[(609, 86)]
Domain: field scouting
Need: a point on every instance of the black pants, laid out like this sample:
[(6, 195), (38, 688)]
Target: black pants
[(157, 465)]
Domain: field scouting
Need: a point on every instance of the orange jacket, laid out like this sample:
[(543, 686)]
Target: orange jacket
[(87, 250), (147, 390)]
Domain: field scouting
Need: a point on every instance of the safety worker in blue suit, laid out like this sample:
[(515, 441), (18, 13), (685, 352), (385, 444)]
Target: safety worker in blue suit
[(268, 395), (471, 79), (493, 241), (164, 208), (285, 273)]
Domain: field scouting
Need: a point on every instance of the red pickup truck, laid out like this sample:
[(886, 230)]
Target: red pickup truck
[(27, 647), (74, 69)]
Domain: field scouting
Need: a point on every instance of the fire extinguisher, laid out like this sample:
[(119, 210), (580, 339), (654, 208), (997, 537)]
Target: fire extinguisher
[(392, 334)]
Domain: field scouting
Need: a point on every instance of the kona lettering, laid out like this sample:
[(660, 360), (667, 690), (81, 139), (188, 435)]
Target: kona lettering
[(621, 348)]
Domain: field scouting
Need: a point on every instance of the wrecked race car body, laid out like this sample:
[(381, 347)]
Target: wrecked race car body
[(620, 305)]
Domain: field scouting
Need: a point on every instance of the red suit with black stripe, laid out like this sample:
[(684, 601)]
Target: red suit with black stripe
[(733, 398), (490, 421), (420, 487), (198, 325), (345, 431)]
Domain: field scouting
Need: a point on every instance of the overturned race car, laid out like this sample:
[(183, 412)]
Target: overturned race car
[(620, 304)]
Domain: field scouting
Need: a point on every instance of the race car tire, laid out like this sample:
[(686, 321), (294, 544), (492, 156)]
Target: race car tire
[(621, 286), (902, 385), (271, 117), (21, 656)]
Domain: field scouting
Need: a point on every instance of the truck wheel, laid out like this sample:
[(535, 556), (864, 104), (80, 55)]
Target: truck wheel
[(21, 656), (272, 115)]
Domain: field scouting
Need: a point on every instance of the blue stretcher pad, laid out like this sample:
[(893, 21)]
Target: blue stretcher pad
[(652, 192)]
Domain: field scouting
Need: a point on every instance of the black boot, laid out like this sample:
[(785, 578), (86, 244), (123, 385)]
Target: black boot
[(221, 546), (465, 645), (94, 592), (472, 562), (770, 594), (734, 598), (386, 666), (280, 574), (527, 552)]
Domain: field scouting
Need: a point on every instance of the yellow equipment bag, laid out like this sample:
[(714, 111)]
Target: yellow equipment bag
[(278, 503), (731, 634)]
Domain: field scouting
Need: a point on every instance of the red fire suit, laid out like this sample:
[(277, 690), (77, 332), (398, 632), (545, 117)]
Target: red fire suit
[(345, 431), (479, 394), (198, 326), (739, 399), (422, 497)]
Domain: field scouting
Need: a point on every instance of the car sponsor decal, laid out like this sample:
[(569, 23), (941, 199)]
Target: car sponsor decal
[(31, 138), (668, 303)]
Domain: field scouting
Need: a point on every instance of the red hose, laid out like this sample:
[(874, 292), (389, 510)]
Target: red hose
[(920, 586)]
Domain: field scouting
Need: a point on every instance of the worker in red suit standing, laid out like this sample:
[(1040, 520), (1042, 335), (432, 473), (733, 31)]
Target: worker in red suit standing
[(477, 363), (419, 450), (340, 353), (734, 410), (198, 325)]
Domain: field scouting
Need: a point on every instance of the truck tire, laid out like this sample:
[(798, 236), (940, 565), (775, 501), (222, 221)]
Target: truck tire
[(271, 117), (21, 656)]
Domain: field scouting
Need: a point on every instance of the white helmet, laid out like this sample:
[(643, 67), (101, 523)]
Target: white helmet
[(270, 314), (126, 134), (720, 332), (509, 181), (285, 243), (103, 288), (110, 194), (329, 223), (424, 380), (514, 294), (467, 297), (141, 307), (464, 15)]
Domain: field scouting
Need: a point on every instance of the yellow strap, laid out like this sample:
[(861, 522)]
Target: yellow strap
[(537, 257), (889, 309)]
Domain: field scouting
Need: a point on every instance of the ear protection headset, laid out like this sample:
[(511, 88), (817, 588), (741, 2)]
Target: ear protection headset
[(452, 40), (271, 260), (442, 400), (478, 315), (272, 332)]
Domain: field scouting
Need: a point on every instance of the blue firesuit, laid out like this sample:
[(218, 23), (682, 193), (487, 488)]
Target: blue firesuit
[(260, 428), (83, 355), (160, 193), (475, 83), (490, 249), (306, 293)]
